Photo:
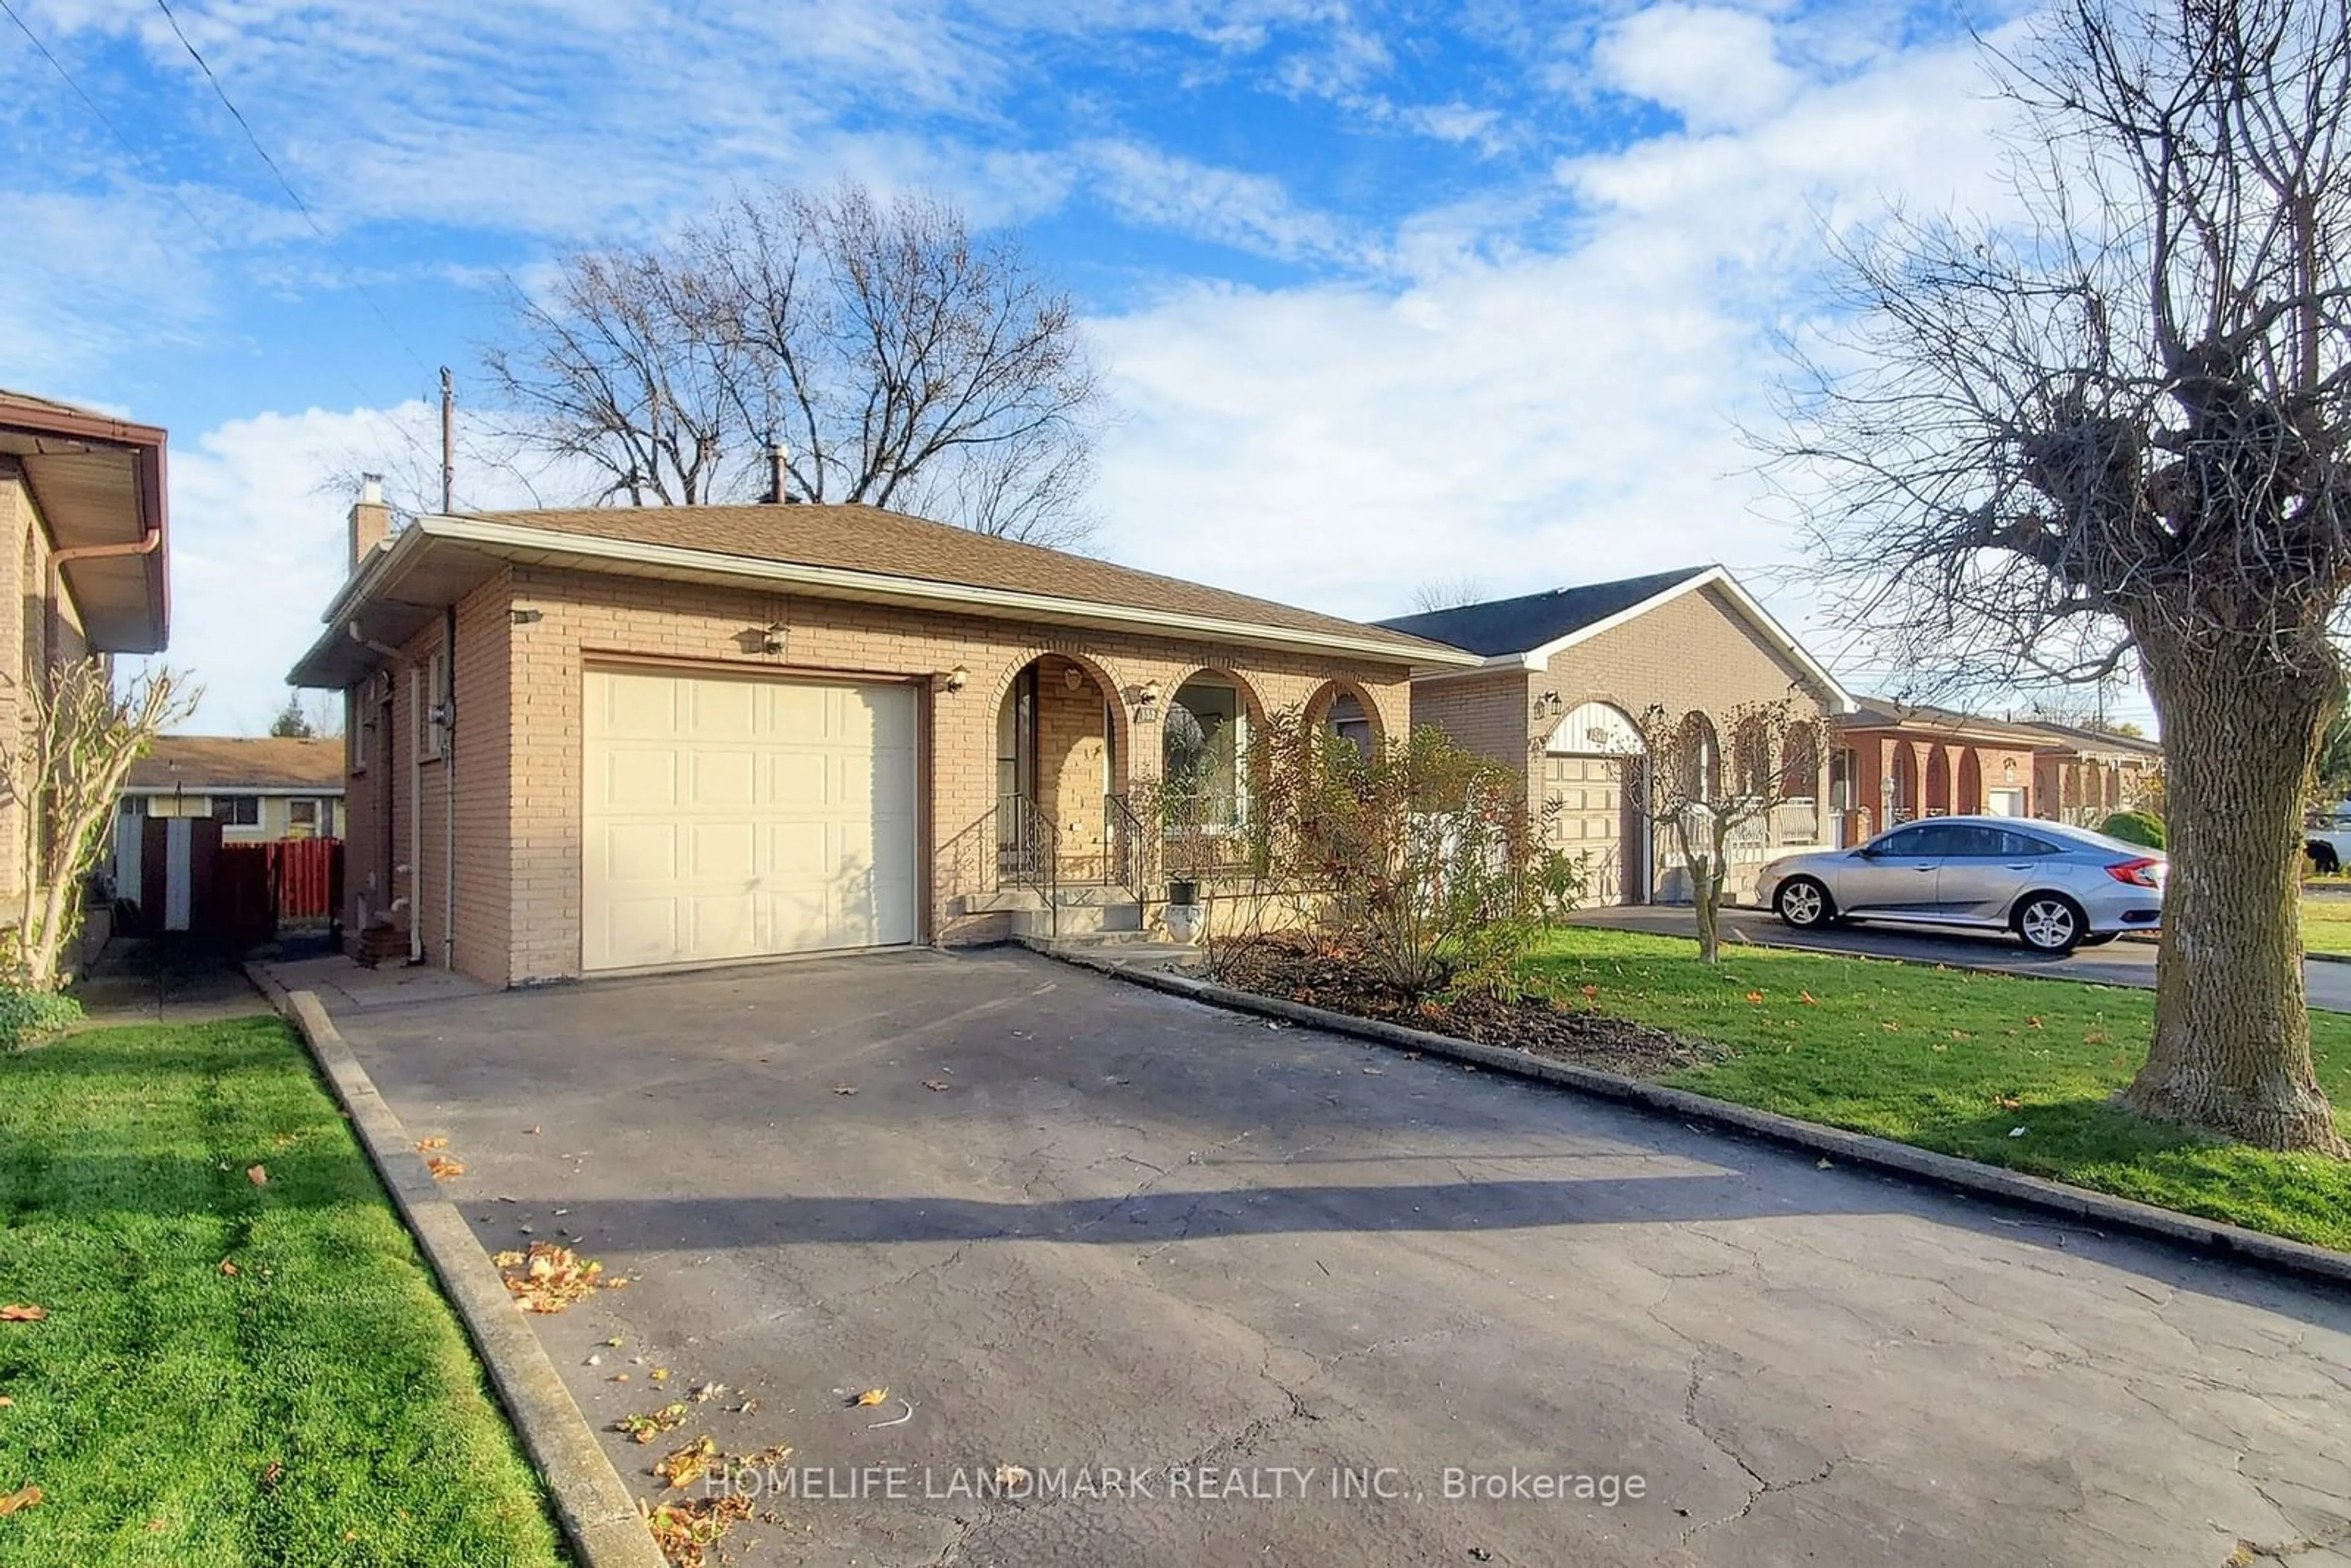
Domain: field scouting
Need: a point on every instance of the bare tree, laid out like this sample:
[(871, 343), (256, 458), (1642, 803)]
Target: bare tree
[(63, 774), (2111, 433), (900, 361), (1447, 593), (1684, 783)]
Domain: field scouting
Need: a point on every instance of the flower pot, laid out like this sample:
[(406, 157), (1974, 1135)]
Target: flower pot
[(1183, 921), (1182, 890)]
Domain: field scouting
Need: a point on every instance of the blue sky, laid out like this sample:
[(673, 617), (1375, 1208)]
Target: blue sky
[(1384, 294)]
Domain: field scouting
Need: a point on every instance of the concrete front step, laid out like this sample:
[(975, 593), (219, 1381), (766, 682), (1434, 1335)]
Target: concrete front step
[(1079, 920)]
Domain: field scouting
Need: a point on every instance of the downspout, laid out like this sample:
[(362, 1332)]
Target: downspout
[(449, 790)]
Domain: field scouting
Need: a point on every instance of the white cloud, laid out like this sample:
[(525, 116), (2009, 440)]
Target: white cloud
[(1712, 66), (1555, 409), (1153, 189), (259, 545)]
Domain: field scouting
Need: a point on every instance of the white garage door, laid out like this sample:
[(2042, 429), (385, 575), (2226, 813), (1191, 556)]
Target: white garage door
[(733, 818)]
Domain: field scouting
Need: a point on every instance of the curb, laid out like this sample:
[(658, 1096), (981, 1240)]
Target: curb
[(2231, 1241), (592, 1505)]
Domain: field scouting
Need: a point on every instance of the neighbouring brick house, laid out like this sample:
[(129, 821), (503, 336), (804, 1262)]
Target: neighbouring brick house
[(1899, 761), (1561, 677), (84, 561), (605, 740), (2082, 775)]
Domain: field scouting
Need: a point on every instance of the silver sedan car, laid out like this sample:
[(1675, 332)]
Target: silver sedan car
[(2055, 887)]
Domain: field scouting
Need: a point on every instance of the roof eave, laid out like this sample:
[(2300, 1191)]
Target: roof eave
[(526, 546)]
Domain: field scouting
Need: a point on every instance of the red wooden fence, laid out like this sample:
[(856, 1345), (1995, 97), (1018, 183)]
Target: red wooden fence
[(306, 873)]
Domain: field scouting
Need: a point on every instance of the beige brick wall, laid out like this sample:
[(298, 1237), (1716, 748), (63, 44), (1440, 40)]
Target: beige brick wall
[(520, 747), (34, 636)]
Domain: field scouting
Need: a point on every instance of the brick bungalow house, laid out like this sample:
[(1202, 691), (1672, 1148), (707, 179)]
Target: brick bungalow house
[(608, 740), (1560, 676), (1900, 761), (2082, 775), (84, 560)]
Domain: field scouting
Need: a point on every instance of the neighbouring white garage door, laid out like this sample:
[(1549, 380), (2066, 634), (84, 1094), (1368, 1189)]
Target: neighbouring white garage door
[(734, 818)]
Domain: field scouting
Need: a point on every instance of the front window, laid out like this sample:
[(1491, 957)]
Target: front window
[(302, 819), (1203, 747), (237, 811)]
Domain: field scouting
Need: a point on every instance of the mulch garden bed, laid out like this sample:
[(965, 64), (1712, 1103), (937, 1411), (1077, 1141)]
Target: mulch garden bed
[(1319, 974)]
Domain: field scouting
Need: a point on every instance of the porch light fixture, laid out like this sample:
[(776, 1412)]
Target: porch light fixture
[(1073, 677), (1146, 703), (1548, 706), (955, 679), (769, 639)]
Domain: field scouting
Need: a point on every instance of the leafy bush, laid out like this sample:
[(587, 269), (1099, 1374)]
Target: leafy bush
[(27, 1015), (1418, 856), (2135, 828)]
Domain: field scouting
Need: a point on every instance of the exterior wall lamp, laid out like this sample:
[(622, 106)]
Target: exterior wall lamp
[(1548, 706), (1146, 703), (955, 679)]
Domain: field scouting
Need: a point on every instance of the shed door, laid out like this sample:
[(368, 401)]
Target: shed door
[(730, 818)]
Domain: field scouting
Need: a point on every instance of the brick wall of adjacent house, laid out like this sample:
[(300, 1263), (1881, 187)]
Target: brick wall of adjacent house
[(521, 687), (35, 635), (1691, 653)]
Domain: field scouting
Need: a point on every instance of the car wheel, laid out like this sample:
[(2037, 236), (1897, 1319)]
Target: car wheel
[(2051, 923), (1804, 904)]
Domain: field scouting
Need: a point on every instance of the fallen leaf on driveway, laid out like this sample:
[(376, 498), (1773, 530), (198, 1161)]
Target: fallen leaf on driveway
[(1375, 1072), (644, 1429), (685, 1529), (683, 1466), (442, 1167), (19, 1501), (257, 1174), (935, 1086), (1012, 1477), (844, 1089), (548, 1277), (426, 1145), (870, 1397), (15, 1313), (532, 1131), (704, 1392)]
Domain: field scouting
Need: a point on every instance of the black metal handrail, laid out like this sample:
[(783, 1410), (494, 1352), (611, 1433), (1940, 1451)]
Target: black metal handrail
[(1129, 848)]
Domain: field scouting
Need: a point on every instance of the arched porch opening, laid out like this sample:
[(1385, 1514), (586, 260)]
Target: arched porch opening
[(1062, 759), (1939, 782), (1346, 710), (1971, 784)]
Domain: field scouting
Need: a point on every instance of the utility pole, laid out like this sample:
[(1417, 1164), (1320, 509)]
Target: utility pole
[(448, 441)]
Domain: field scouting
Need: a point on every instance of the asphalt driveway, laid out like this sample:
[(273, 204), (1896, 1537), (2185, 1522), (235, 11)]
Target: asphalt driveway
[(1194, 1274), (2123, 963)]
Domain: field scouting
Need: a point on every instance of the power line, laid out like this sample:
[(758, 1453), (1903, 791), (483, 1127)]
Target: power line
[(284, 185)]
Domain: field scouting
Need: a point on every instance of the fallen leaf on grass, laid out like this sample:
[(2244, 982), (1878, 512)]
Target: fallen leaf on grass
[(1589, 993), (1806, 998), (257, 1174), (548, 1277), (2016, 1131), (686, 1529), (2096, 1037), (870, 1397), (426, 1145), (681, 1468), (19, 1501), (272, 1476), (442, 1167), (2010, 1103), (15, 1313), (228, 1268), (644, 1429), (5, 1402), (2032, 1023), (1756, 998), (1889, 1026)]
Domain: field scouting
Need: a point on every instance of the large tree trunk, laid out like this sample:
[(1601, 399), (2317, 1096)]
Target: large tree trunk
[(2231, 1047)]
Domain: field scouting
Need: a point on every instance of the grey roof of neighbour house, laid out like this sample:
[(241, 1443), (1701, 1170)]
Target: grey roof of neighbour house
[(1519, 625)]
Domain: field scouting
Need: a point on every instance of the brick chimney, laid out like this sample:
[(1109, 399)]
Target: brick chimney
[(370, 518)]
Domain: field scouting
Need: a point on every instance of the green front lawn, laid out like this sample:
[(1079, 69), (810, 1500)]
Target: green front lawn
[(318, 1404), (1955, 1061), (2325, 922)]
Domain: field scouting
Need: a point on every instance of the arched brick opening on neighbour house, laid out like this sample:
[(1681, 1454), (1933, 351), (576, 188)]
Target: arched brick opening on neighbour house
[(1971, 784), (1063, 748), (1939, 782), (1903, 805), (1346, 710), (1594, 768)]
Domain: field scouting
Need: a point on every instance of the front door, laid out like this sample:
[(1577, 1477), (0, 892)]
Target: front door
[(1895, 875)]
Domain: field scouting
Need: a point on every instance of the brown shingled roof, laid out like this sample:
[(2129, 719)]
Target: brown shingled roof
[(201, 763), (868, 538)]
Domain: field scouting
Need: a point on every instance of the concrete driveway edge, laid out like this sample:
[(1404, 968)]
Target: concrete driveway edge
[(592, 1504), (2295, 1257)]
